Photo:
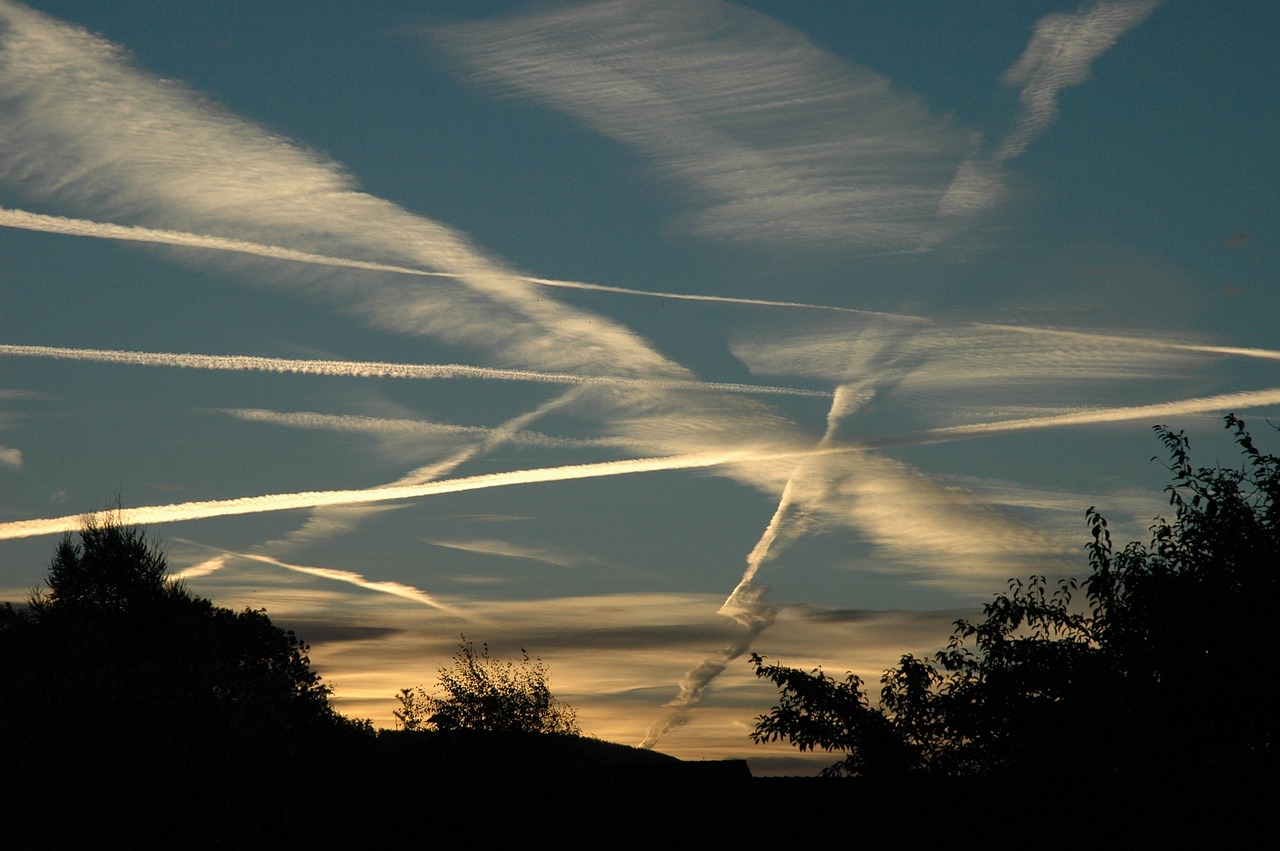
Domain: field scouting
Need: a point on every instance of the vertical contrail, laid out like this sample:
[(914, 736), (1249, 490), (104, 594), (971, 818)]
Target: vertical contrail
[(746, 602)]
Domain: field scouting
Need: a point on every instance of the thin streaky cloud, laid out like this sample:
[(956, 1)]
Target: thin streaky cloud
[(199, 510), (1058, 57), (375, 369), (510, 549)]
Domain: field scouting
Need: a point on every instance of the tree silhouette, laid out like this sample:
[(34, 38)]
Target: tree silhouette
[(482, 693), (118, 683), (1156, 675)]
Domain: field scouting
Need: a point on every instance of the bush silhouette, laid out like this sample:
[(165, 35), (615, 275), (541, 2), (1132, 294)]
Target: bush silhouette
[(481, 693), (1157, 675)]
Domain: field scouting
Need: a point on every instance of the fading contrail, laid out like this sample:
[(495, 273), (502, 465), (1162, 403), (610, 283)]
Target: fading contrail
[(1202, 405), (396, 589), (384, 426), (745, 603), (315, 499), (22, 220), (375, 369)]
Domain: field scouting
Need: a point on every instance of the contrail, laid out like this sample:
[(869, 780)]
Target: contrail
[(1202, 405), (315, 499), (22, 220), (375, 369), (745, 603), (396, 589)]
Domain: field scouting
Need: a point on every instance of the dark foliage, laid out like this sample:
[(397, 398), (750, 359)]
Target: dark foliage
[(117, 678), (482, 693), (1156, 675)]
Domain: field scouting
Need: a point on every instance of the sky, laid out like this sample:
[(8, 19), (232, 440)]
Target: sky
[(641, 335)]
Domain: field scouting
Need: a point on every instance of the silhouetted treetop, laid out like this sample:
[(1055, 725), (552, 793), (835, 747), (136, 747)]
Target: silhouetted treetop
[(109, 565)]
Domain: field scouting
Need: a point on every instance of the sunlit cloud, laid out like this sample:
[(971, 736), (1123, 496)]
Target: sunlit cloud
[(785, 142), (1059, 56)]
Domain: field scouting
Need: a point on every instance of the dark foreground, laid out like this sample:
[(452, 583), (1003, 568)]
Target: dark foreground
[(489, 790)]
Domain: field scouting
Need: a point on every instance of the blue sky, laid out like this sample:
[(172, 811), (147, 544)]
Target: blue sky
[(794, 328)]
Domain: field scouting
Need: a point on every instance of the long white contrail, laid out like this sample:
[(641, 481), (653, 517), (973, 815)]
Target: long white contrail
[(315, 499), (23, 220), (376, 369)]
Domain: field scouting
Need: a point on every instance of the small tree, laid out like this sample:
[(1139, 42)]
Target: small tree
[(482, 693)]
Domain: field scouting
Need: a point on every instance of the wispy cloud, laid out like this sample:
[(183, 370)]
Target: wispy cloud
[(785, 141), (1061, 51), (557, 556)]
